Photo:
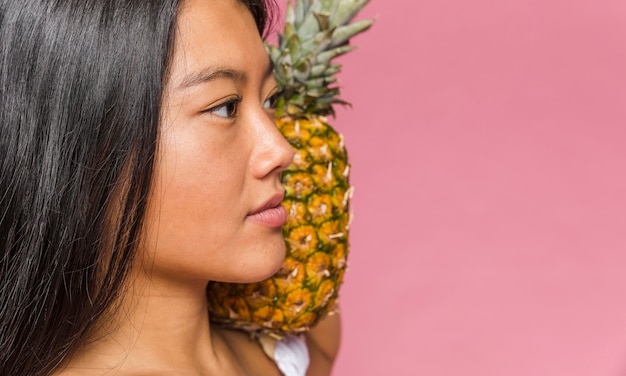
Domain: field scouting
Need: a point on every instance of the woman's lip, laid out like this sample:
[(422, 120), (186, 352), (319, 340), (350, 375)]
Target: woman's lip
[(271, 213), (271, 217), (273, 202)]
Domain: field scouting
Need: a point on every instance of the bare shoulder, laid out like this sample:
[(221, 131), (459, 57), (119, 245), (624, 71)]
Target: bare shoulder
[(248, 352), (95, 372), (66, 372), (323, 342)]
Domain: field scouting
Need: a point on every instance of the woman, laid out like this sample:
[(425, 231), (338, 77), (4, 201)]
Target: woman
[(139, 161)]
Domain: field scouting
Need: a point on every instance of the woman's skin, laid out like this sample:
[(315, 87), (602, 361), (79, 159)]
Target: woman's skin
[(213, 214)]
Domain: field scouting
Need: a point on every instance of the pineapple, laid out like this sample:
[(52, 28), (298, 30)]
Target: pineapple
[(317, 192)]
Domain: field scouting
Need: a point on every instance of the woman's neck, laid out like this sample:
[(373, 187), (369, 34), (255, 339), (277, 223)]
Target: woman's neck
[(159, 326)]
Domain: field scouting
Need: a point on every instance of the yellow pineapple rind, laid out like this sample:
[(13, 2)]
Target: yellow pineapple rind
[(316, 235), (316, 184)]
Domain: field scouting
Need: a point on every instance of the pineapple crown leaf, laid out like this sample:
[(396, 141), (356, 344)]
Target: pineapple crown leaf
[(315, 33), (342, 34)]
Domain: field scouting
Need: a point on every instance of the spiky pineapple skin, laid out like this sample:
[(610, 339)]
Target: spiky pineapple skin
[(317, 199), (317, 187)]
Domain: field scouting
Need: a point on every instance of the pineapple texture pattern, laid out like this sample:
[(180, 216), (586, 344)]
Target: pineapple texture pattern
[(317, 189), (317, 196)]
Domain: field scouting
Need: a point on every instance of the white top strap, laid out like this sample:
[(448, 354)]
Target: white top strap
[(290, 354)]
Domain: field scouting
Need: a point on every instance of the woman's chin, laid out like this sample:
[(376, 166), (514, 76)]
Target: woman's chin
[(265, 266)]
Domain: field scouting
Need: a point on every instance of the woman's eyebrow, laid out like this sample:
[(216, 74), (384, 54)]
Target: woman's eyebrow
[(211, 74), (270, 68)]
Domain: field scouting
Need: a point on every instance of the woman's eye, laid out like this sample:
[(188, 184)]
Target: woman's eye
[(270, 103), (228, 109)]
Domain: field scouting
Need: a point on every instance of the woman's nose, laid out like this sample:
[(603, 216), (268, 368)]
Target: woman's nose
[(272, 152)]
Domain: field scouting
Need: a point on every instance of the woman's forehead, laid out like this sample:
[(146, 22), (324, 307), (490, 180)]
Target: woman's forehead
[(215, 35)]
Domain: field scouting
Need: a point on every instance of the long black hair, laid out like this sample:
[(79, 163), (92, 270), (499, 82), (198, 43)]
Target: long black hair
[(80, 90)]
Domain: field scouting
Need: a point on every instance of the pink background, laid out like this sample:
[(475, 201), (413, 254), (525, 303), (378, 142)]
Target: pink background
[(488, 145)]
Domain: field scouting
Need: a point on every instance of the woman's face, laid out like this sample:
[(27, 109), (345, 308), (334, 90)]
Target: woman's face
[(214, 212)]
